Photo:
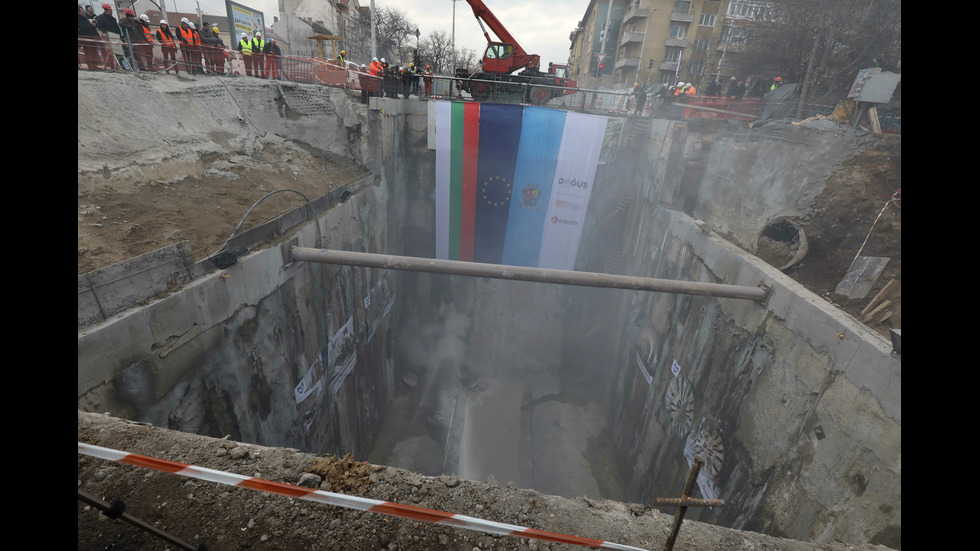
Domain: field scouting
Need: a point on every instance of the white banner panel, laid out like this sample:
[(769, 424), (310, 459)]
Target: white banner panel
[(443, 155), (571, 189)]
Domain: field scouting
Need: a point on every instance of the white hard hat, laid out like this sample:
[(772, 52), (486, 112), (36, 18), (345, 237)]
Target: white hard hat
[(374, 59), (258, 34), (383, 60), (145, 17), (680, 84), (164, 22), (184, 20), (244, 35), (191, 25)]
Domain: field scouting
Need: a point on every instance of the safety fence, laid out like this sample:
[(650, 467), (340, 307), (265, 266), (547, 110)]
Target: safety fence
[(410, 512), (104, 54)]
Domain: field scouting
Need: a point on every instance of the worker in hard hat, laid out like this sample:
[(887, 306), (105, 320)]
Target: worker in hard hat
[(427, 79), (245, 47), (689, 89), (342, 58), (416, 77), (168, 46), (109, 28), (187, 41), (679, 91), (776, 82), (273, 60), (218, 53), (139, 37), (258, 53), (641, 98)]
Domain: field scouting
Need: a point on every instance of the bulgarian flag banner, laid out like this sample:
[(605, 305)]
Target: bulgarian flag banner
[(513, 182)]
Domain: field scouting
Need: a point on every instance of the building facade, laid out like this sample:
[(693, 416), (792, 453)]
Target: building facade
[(619, 42)]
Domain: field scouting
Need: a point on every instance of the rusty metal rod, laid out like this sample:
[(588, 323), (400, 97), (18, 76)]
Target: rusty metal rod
[(117, 510), (687, 502), (522, 273), (679, 516)]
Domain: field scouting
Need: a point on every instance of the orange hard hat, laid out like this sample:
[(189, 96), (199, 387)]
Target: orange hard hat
[(779, 79)]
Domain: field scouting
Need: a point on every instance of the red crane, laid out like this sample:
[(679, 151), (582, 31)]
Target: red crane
[(502, 58)]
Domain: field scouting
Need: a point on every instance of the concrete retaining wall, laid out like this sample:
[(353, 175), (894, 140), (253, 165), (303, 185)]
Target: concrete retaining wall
[(803, 427)]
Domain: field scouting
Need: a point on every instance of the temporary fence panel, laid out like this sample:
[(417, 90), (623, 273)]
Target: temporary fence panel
[(326, 73), (723, 107)]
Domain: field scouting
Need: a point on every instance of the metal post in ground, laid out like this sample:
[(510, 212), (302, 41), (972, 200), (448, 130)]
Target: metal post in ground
[(684, 502)]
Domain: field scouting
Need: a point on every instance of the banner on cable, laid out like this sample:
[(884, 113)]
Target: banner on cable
[(513, 182)]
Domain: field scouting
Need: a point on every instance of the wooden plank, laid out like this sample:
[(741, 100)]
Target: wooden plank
[(875, 125), (883, 317), (880, 307), (881, 294)]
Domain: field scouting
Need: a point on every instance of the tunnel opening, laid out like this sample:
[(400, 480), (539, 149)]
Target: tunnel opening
[(782, 243)]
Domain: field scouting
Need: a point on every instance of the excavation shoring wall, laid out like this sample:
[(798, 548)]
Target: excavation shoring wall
[(801, 429)]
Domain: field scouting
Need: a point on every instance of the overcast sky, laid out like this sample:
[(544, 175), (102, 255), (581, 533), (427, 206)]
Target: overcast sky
[(540, 26)]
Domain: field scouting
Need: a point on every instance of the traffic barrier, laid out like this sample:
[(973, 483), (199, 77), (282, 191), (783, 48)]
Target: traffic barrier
[(341, 500)]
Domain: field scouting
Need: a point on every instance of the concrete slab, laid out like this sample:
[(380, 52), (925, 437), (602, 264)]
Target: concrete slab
[(861, 276)]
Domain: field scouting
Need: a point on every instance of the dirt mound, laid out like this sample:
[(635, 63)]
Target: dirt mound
[(223, 517)]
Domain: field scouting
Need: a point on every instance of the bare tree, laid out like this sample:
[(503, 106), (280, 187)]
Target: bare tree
[(820, 43), (436, 50), (392, 29)]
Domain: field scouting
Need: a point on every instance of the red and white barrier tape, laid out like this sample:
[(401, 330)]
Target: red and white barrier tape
[(341, 500), (895, 197)]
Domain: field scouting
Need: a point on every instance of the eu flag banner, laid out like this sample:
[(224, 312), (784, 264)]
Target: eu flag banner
[(536, 159), (512, 182)]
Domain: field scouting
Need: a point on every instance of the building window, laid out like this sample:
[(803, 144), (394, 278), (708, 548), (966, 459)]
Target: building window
[(672, 55), (733, 35), (707, 20), (677, 31), (697, 69), (682, 6), (700, 44), (749, 9)]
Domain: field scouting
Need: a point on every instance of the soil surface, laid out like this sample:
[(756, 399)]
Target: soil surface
[(225, 517), (119, 218), (859, 211)]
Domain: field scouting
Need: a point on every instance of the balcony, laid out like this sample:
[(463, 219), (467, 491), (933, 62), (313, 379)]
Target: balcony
[(669, 66), (631, 62), (628, 38), (676, 42), (682, 17), (634, 13)]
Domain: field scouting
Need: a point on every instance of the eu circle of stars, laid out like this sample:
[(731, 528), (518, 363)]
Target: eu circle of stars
[(496, 191)]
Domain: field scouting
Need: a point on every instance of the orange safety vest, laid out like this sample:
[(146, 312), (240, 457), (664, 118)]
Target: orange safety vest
[(185, 36), (147, 33), (375, 68), (690, 91), (197, 37), (164, 39)]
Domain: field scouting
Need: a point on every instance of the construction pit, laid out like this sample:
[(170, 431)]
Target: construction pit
[(560, 408)]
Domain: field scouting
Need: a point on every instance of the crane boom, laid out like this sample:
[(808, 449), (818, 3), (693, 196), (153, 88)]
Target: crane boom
[(494, 79), (506, 56)]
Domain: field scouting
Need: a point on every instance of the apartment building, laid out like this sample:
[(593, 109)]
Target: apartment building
[(619, 42)]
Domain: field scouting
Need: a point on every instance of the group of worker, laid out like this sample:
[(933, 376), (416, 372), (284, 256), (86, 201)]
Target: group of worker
[(262, 58), (108, 43), (402, 80)]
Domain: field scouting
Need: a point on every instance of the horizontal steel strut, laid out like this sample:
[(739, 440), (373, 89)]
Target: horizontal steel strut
[(522, 273)]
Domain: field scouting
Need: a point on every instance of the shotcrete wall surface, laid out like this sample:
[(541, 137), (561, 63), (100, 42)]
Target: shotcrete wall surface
[(801, 429)]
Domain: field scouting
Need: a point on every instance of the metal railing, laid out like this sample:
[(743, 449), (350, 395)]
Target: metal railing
[(103, 54)]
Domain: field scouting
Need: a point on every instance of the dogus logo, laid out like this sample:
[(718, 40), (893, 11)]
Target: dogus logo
[(573, 183), (567, 205), (556, 220)]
